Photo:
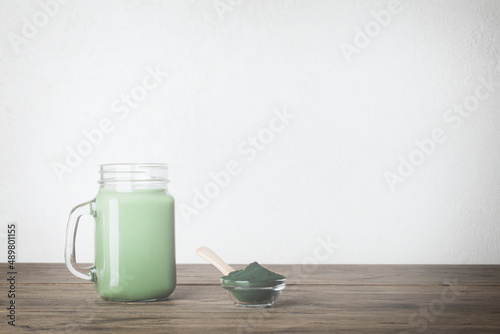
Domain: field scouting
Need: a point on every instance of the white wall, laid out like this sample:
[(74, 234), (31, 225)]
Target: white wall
[(228, 68)]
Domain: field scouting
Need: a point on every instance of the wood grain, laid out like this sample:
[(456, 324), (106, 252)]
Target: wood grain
[(299, 274), (331, 299)]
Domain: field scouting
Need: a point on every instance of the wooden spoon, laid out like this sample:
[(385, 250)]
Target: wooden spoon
[(207, 254)]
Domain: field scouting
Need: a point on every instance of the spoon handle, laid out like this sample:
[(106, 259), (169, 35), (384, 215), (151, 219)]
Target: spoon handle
[(211, 257)]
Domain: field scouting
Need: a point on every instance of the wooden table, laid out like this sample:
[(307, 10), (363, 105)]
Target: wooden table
[(317, 299)]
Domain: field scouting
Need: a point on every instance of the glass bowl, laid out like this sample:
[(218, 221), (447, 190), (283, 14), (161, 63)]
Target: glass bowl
[(249, 294)]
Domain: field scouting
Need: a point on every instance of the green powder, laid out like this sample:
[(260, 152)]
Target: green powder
[(253, 273), (254, 286)]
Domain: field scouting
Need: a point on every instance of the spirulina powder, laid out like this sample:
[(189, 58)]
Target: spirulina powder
[(254, 286), (253, 273)]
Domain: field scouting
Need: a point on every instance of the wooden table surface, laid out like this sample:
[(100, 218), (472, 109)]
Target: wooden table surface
[(317, 299)]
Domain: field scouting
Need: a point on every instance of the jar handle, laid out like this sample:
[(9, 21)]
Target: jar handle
[(78, 211)]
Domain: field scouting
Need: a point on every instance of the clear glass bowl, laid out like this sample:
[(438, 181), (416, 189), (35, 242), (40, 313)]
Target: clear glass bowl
[(247, 294)]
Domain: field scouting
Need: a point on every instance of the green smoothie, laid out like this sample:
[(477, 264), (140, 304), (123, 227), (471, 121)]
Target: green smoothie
[(134, 245)]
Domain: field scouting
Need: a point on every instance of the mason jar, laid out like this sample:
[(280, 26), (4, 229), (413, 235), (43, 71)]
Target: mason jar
[(134, 234)]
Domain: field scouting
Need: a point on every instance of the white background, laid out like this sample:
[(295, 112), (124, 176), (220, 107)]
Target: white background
[(229, 66)]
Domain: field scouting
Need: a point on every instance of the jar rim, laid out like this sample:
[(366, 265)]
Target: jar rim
[(127, 165), (143, 173)]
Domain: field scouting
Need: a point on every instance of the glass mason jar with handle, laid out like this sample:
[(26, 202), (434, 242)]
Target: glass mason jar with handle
[(134, 234)]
